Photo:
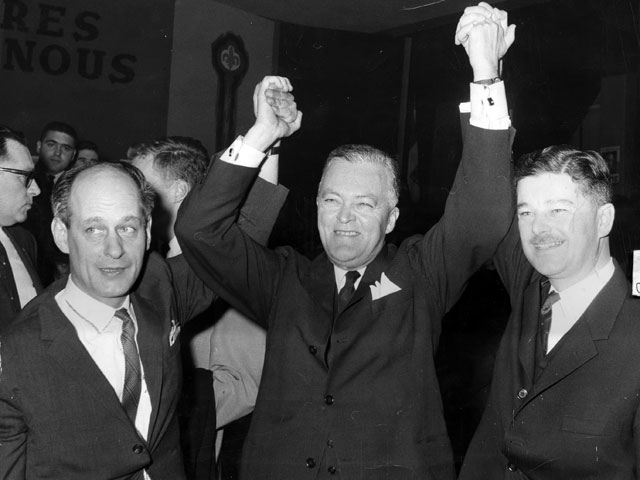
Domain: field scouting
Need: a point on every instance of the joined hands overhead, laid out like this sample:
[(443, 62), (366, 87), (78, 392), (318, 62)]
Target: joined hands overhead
[(486, 36), (277, 115)]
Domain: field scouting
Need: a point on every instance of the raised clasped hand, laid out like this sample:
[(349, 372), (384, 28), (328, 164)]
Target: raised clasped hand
[(275, 107)]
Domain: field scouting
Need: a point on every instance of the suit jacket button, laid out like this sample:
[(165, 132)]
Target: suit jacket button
[(311, 462), (312, 350), (329, 400), (511, 467), (332, 470), (522, 394), (137, 448)]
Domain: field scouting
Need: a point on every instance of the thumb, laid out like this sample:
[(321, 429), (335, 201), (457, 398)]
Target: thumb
[(295, 125), (510, 36)]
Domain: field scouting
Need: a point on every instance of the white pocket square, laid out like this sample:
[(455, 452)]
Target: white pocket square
[(175, 331), (383, 287)]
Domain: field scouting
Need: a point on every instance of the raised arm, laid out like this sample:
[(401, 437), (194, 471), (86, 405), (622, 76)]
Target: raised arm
[(479, 208), (220, 253)]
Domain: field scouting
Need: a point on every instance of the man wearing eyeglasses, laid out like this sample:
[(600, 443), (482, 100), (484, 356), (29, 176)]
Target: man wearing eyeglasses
[(19, 281), (56, 151)]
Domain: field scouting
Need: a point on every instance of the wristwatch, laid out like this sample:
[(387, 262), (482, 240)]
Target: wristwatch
[(489, 81)]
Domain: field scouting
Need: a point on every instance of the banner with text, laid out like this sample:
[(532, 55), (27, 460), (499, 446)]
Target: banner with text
[(101, 66)]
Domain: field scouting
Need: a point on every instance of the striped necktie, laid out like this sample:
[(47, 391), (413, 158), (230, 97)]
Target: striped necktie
[(132, 375), (545, 319)]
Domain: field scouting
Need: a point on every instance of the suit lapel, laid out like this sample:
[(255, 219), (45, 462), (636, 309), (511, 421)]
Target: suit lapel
[(371, 275), (9, 285), (151, 344), (320, 281), (66, 349), (579, 344), (527, 340), (322, 287), (26, 259)]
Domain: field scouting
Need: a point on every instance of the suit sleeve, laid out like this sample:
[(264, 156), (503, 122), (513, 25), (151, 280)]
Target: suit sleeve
[(13, 436), (260, 211), (256, 218), (477, 214), (225, 257), (511, 264)]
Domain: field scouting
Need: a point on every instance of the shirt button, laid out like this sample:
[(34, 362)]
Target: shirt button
[(523, 394), (329, 400), (312, 350), (511, 467), (137, 448), (311, 462), (332, 470)]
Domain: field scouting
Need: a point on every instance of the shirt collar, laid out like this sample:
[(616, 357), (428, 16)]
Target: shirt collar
[(93, 311), (174, 248), (340, 276), (578, 297)]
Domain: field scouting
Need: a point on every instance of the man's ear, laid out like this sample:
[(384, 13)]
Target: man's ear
[(606, 216), (60, 234), (391, 221), (180, 190), (38, 146)]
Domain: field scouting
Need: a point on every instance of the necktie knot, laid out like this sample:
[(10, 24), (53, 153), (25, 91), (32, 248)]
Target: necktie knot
[(350, 279), (123, 315), (549, 301), (347, 291)]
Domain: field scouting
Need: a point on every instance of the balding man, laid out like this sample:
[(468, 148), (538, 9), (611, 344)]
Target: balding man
[(91, 371)]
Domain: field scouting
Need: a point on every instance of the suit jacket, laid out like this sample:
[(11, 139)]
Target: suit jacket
[(59, 416), (39, 224), (25, 245), (197, 411), (373, 410), (580, 418)]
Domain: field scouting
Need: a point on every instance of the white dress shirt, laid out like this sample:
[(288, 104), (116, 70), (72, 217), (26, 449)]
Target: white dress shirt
[(99, 332), (24, 283), (574, 301), (341, 277)]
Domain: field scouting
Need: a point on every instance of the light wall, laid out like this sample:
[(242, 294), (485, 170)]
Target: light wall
[(194, 82)]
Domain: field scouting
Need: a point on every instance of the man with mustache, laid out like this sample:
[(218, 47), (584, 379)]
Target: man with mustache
[(19, 281), (565, 398)]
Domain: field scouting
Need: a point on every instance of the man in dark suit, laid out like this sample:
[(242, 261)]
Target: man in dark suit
[(173, 166), (56, 152), (565, 397), (19, 281), (349, 386), (91, 369)]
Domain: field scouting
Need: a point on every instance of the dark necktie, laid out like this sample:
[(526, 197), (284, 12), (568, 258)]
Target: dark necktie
[(347, 291), (132, 376), (545, 317)]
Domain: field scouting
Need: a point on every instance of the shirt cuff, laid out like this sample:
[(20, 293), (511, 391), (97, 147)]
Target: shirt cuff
[(243, 155), (488, 107)]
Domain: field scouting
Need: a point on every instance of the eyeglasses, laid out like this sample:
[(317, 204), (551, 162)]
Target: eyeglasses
[(28, 174)]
